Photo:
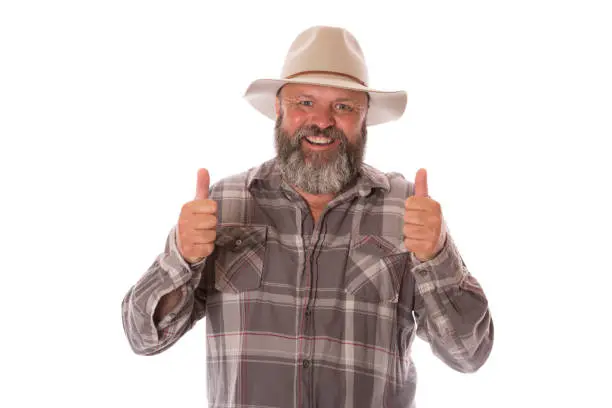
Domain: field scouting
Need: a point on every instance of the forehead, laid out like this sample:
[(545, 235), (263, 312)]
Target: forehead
[(323, 92)]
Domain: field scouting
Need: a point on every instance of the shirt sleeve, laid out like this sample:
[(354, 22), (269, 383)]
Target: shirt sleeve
[(169, 272), (451, 310)]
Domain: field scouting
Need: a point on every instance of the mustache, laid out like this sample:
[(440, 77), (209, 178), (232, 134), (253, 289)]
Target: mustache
[(313, 130)]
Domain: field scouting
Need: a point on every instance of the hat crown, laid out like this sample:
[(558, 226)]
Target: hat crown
[(326, 49)]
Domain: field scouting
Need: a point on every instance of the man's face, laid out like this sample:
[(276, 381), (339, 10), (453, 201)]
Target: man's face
[(320, 136)]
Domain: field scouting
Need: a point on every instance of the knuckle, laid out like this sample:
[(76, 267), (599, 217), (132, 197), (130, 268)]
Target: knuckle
[(207, 206), (201, 223), (213, 205), (209, 236), (207, 249), (210, 209), (211, 220), (186, 208)]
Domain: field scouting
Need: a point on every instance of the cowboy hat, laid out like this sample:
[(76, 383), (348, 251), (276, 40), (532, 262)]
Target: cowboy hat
[(327, 56)]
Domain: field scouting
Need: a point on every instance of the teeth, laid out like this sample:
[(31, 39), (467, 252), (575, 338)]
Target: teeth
[(320, 140)]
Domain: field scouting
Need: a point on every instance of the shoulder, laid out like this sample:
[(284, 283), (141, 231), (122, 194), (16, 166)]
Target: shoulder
[(400, 185), (232, 185), (393, 183)]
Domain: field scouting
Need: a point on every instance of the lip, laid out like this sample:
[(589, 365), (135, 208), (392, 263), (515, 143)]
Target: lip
[(318, 147)]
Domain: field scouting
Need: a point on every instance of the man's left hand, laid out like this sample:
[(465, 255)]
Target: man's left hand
[(423, 233)]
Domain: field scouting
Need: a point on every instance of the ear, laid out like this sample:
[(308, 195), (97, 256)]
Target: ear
[(277, 106), (277, 102)]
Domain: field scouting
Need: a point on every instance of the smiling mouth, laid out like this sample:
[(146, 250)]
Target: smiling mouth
[(319, 140)]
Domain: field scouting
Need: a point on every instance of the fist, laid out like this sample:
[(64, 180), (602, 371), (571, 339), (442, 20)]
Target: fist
[(423, 233), (197, 223)]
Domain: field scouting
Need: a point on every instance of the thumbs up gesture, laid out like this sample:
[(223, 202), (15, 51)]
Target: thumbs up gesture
[(422, 221), (197, 223)]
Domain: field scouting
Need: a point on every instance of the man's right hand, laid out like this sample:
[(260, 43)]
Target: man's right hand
[(197, 223)]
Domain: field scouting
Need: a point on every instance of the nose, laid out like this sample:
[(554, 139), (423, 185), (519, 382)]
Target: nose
[(322, 117)]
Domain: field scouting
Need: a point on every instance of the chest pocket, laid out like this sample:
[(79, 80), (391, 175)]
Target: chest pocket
[(240, 252), (374, 269)]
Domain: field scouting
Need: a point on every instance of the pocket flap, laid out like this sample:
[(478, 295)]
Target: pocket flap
[(374, 269), (239, 259)]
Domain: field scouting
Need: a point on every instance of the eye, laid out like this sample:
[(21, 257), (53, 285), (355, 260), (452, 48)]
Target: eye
[(344, 107), (305, 103)]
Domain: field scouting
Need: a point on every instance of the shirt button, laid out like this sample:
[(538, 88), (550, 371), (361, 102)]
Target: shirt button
[(237, 244), (306, 363), (308, 312)]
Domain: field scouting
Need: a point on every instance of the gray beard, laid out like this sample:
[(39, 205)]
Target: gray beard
[(318, 172)]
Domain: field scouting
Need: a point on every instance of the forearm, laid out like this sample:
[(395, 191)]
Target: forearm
[(166, 304), (161, 306), (454, 315)]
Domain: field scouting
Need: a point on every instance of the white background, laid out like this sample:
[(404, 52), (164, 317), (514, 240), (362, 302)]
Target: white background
[(108, 109)]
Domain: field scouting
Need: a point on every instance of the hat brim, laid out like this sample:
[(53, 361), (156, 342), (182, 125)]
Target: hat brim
[(385, 106)]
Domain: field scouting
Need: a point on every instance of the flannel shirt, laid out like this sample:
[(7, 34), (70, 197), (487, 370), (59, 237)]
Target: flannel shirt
[(304, 314)]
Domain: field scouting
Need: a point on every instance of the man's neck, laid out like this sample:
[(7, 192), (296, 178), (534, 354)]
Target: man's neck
[(316, 202)]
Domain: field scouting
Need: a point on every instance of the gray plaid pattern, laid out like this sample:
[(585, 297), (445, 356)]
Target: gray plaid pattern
[(305, 315)]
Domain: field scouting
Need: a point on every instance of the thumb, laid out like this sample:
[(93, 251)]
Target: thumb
[(420, 184), (203, 184)]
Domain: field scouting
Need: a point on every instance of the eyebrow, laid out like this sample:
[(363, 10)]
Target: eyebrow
[(346, 99), (343, 99)]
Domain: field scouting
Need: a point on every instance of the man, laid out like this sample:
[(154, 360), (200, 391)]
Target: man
[(314, 270)]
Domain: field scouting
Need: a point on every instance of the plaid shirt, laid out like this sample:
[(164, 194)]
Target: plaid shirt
[(300, 314)]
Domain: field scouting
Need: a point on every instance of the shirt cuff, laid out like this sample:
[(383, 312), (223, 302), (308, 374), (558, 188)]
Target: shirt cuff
[(445, 270), (173, 262)]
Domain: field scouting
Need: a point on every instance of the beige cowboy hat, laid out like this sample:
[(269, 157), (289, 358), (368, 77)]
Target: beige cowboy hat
[(327, 56)]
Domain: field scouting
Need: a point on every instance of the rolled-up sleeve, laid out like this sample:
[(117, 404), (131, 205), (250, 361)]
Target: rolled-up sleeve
[(168, 272), (451, 310)]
